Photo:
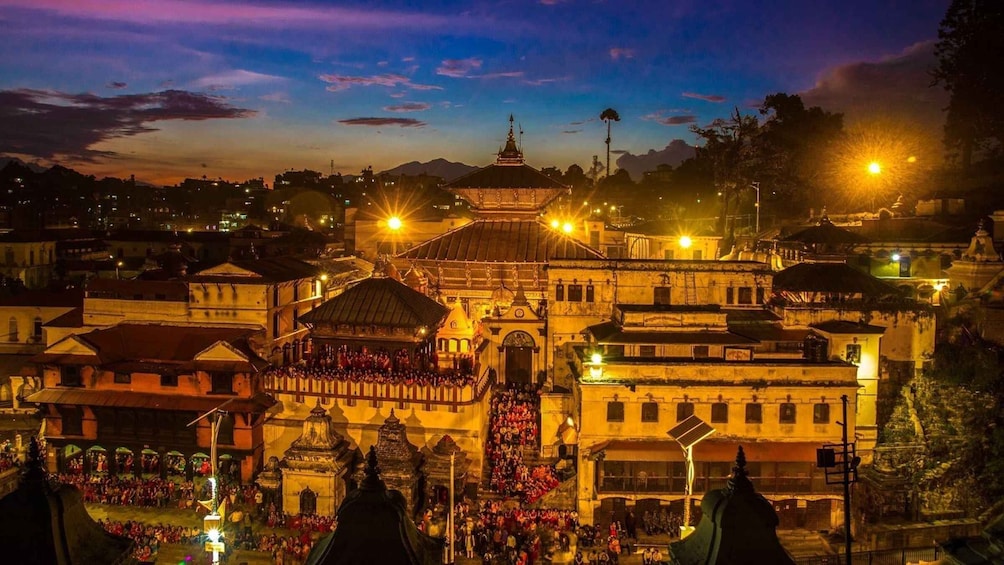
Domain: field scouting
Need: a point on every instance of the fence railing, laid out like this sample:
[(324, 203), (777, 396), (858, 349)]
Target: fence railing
[(902, 556), (372, 391)]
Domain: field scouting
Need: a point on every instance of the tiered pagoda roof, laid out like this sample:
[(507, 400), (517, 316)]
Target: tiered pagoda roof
[(501, 241)]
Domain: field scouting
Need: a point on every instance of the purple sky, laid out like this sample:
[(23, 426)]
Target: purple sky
[(169, 89)]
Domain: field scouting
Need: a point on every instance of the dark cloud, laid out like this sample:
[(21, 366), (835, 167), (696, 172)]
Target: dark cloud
[(676, 152), (408, 107), (896, 88), (671, 120), (618, 151), (570, 131), (116, 85), (46, 123), (376, 122), (706, 97)]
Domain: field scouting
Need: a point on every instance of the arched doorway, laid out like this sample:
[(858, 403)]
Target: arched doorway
[(308, 501), (519, 348)]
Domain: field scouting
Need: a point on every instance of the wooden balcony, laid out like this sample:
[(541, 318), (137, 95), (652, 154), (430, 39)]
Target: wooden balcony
[(444, 395)]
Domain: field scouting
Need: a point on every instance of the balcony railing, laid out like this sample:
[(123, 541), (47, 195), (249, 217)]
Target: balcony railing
[(449, 395), (677, 485)]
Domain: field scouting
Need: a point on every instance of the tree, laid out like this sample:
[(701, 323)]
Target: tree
[(730, 147), (970, 41), (609, 115)]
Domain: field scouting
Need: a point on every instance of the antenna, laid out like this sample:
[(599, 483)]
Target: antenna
[(520, 137)]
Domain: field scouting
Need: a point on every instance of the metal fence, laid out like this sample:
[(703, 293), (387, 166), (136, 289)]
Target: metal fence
[(878, 557)]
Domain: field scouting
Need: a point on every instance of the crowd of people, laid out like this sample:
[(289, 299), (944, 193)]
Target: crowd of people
[(381, 367), (661, 522), (149, 537), (158, 493), (8, 456), (300, 522), (513, 427)]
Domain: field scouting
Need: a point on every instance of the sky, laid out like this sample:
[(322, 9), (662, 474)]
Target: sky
[(172, 89)]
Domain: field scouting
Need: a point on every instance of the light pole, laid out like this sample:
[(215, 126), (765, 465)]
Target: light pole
[(756, 187), (689, 433), (840, 465), (451, 522), (213, 522)]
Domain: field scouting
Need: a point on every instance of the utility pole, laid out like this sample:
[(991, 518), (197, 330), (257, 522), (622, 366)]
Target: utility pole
[(756, 186), (452, 524), (840, 463)]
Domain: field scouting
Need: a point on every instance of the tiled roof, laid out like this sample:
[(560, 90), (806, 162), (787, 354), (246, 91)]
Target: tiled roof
[(379, 301), (504, 241), (826, 233), (831, 277), (150, 401), (44, 298), (272, 269), (169, 345), (505, 176), (609, 333), (845, 327)]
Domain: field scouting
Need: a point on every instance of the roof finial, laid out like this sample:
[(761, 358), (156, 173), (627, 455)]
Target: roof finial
[(33, 465), (372, 471), (740, 480)]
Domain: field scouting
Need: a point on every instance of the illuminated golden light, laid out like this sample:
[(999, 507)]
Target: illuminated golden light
[(686, 242), (911, 159), (596, 358), (874, 168), (570, 422), (394, 223), (567, 227), (324, 277), (555, 224), (190, 230)]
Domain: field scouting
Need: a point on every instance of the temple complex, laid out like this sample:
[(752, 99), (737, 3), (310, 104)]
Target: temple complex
[(316, 467)]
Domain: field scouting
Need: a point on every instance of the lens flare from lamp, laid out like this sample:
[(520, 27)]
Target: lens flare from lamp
[(394, 223), (874, 168), (214, 535), (686, 242), (895, 256), (596, 358), (555, 224), (567, 227)]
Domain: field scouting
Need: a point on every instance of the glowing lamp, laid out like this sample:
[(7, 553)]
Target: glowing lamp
[(911, 159), (895, 256), (874, 168), (324, 277), (686, 242), (214, 535), (394, 223), (555, 224), (570, 421), (596, 358), (567, 227)]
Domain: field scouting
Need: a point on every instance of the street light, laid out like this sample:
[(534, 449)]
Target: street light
[(394, 223), (686, 242), (874, 168), (567, 227), (213, 521)]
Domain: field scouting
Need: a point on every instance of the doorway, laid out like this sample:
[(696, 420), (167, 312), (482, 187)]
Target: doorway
[(519, 365)]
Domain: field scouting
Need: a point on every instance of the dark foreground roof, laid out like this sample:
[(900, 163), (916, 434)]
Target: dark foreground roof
[(503, 241), (43, 525), (831, 277), (373, 527), (826, 233), (380, 301)]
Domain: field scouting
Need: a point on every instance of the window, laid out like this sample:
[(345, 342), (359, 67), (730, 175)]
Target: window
[(296, 292), (760, 295), (754, 413), (590, 293), (615, 411), (296, 319), (720, 413), (787, 415), (275, 296), (649, 411), (662, 295), (275, 325), (698, 255), (745, 295), (853, 353), (69, 375), (575, 293), (226, 430), (646, 351), (730, 295), (559, 293), (73, 420), (169, 380), (821, 413), (684, 410), (701, 351), (222, 383), (123, 378), (37, 327)]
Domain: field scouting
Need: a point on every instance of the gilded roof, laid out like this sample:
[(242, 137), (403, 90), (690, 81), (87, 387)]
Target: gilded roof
[(379, 301), (502, 241), (505, 176)]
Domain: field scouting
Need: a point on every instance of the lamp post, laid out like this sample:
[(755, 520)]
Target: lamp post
[(394, 224), (840, 465), (213, 521), (452, 526), (756, 187), (689, 433)]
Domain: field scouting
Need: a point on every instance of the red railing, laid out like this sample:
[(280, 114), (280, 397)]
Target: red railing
[(355, 390)]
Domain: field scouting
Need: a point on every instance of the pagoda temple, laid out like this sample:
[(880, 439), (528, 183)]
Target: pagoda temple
[(316, 467)]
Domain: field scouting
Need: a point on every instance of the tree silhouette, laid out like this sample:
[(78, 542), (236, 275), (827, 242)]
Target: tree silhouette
[(609, 115)]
